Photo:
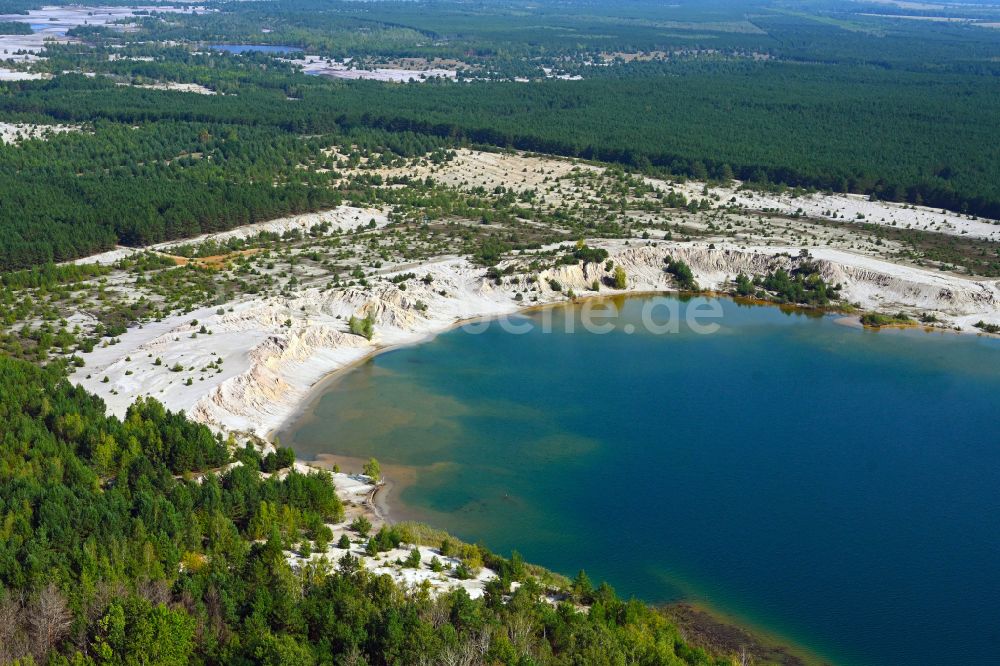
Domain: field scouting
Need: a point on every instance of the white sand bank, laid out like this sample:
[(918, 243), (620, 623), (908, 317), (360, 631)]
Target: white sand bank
[(342, 218), (857, 208), (176, 87), (355, 490), (52, 23), (269, 368), (8, 74), (17, 132), (320, 66)]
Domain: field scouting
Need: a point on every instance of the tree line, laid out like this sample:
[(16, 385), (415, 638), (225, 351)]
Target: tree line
[(114, 551)]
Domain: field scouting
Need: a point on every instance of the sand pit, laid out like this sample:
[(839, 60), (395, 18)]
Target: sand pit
[(17, 132), (52, 23), (177, 87), (319, 66)]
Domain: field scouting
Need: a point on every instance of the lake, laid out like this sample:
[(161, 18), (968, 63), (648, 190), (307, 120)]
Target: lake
[(836, 486), (49, 28)]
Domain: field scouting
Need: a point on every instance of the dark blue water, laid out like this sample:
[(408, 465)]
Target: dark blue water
[(836, 486), (258, 48)]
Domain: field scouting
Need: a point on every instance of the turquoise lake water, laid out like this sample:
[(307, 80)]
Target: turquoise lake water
[(836, 486)]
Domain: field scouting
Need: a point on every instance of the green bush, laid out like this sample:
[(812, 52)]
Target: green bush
[(361, 525), (682, 274), (620, 280), (878, 319), (363, 327)]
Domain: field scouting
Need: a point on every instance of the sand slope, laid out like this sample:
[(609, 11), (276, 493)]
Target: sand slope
[(273, 351)]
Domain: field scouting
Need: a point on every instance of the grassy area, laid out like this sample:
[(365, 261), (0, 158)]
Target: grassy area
[(880, 319)]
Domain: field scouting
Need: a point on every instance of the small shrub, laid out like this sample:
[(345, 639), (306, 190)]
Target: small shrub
[(372, 470), (879, 319), (620, 279), (682, 274), (363, 327), (361, 525)]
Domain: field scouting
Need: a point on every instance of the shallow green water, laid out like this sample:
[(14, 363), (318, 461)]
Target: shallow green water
[(837, 486)]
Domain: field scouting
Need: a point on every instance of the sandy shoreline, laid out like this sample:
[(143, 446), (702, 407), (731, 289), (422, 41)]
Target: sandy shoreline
[(278, 353), (315, 392), (269, 355), (376, 505), (321, 386)]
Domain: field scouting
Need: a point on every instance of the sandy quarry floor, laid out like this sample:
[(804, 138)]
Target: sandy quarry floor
[(16, 132), (52, 23), (320, 66), (522, 172)]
